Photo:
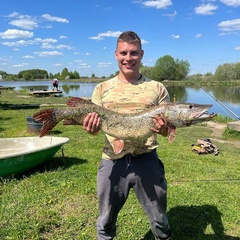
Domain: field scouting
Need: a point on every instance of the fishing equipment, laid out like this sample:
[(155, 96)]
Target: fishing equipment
[(205, 146)]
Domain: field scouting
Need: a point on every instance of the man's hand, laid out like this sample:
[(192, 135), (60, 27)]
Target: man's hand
[(91, 123), (160, 123)]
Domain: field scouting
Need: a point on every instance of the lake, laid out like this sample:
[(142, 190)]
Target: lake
[(225, 100)]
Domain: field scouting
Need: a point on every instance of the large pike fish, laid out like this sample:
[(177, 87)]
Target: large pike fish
[(134, 126)]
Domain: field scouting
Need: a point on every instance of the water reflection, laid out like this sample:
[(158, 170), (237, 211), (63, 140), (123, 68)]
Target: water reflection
[(224, 93), (177, 92), (68, 88), (31, 88)]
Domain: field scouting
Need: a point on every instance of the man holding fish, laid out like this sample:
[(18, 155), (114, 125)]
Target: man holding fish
[(130, 164), (131, 109)]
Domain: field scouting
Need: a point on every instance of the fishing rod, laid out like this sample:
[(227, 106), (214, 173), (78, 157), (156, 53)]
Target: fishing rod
[(217, 100), (198, 85), (207, 180)]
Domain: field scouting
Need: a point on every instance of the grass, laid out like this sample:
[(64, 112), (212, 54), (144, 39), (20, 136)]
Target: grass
[(57, 200)]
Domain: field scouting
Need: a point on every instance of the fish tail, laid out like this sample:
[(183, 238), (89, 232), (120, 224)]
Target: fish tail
[(48, 118), (76, 101)]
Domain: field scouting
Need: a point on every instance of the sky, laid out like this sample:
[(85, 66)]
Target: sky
[(81, 35)]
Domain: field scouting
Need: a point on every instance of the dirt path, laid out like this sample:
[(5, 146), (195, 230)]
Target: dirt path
[(217, 129)]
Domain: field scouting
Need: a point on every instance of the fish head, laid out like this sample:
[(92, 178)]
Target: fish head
[(187, 114)]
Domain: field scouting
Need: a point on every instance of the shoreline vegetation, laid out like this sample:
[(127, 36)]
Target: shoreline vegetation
[(57, 200), (192, 81)]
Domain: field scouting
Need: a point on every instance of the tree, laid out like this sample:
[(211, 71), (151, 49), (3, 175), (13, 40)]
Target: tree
[(182, 69), (27, 76), (227, 72), (148, 72), (51, 76), (165, 68), (74, 75), (35, 73), (64, 73)]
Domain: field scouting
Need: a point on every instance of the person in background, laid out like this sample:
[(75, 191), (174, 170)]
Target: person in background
[(55, 84), (137, 166)]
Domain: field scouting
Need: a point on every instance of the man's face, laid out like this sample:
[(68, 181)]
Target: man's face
[(129, 57)]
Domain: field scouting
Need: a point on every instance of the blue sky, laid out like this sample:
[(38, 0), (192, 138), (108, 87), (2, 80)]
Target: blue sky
[(81, 35)]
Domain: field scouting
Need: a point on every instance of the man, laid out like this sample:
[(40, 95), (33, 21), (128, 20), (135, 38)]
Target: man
[(137, 166), (55, 84)]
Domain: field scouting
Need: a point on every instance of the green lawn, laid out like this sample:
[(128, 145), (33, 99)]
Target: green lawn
[(58, 200)]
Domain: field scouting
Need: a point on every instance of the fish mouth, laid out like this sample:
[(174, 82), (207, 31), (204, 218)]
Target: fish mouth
[(199, 113), (205, 116), (200, 110)]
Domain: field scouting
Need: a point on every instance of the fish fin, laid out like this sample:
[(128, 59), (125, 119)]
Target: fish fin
[(71, 122), (171, 133), (46, 116), (76, 101), (118, 146)]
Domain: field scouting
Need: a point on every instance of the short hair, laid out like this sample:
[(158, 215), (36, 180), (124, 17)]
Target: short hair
[(129, 37)]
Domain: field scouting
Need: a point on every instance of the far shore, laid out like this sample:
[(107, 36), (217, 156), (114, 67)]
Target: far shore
[(187, 82)]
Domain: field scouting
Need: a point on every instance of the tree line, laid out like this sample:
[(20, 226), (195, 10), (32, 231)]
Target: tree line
[(165, 68)]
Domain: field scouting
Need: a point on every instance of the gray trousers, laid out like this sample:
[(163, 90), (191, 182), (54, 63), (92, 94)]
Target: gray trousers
[(145, 174)]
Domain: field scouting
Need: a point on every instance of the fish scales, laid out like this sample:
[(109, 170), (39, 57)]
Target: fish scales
[(132, 126)]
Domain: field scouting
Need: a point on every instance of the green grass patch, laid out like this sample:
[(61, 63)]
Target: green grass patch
[(229, 133), (222, 119), (57, 200)]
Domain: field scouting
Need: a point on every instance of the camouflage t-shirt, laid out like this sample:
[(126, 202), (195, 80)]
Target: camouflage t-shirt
[(123, 97)]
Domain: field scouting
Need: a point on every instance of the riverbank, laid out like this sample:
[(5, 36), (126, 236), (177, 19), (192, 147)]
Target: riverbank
[(191, 81)]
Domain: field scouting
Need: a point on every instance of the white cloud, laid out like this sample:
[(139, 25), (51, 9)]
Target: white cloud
[(6, 58), (20, 65), (175, 36), (237, 48), (231, 3), (15, 33), (54, 19), (63, 37), (171, 16), (230, 25), (28, 57), (104, 64), (158, 4), (29, 42), (47, 54), (62, 46), (24, 23), (50, 46), (144, 41), (45, 40), (84, 65), (16, 44), (206, 9), (101, 36), (47, 45), (199, 35), (13, 14)]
